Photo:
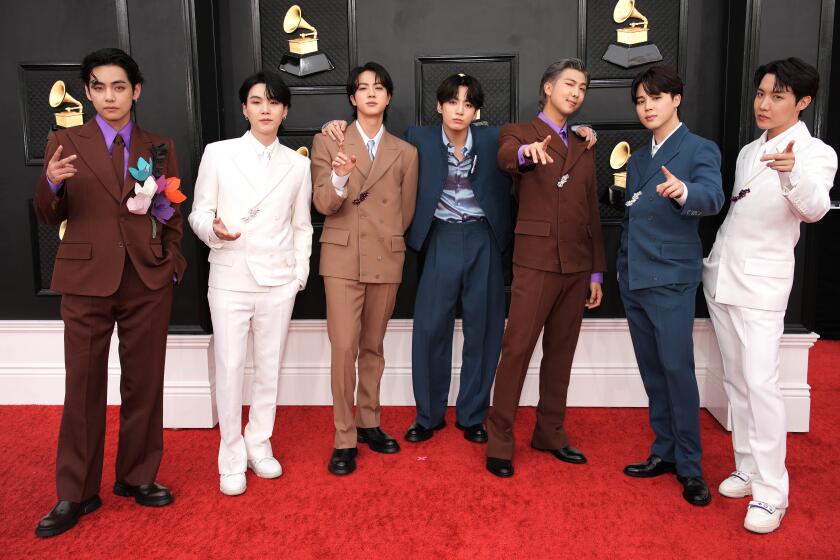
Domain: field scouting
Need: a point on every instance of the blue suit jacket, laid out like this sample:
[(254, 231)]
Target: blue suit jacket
[(490, 184), (659, 240)]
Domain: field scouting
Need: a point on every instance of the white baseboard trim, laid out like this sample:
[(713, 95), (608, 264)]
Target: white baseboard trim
[(604, 372)]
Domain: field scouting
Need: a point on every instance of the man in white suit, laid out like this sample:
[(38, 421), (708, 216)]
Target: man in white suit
[(781, 180), (251, 207)]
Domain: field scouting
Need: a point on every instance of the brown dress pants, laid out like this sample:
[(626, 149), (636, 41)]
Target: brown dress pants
[(142, 319), (357, 316), (539, 300)]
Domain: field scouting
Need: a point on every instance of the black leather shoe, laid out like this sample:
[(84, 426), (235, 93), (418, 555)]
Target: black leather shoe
[(567, 454), (151, 495), (343, 461), (654, 466), (64, 516), (476, 433), (695, 490), (417, 433), (377, 440), (502, 468)]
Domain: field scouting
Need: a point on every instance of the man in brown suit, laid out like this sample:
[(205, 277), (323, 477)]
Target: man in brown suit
[(113, 266), (557, 249), (366, 188)]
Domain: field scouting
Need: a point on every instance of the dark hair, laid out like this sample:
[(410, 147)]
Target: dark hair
[(448, 89), (657, 80), (275, 88), (105, 57), (793, 74), (555, 69), (382, 77)]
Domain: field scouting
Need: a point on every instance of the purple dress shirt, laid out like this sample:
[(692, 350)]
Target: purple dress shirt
[(563, 132)]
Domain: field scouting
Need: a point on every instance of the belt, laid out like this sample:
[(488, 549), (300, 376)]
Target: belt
[(464, 221)]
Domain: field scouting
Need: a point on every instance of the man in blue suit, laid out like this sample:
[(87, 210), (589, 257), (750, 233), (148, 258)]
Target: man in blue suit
[(671, 184)]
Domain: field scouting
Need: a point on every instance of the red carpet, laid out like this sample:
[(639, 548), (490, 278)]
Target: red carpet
[(430, 500)]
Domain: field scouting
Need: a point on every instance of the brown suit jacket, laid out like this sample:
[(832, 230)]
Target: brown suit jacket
[(100, 229), (557, 229), (364, 241)]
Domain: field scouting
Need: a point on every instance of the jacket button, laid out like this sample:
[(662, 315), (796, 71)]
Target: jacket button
[(379, 258), (650, 218), (377, 277), (120, 244), (362, 216)]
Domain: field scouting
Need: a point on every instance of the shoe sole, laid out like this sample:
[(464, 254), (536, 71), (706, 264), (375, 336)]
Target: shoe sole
[(88, 507), (743, 494), (123, 492), (482, 439), (647, 475), (264, 475), (437, 428), (239, 493), (498, 474), (376, 447), (571, 462), (341, 472), (762, 529)]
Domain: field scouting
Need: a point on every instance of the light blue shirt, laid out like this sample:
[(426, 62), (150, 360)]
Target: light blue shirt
[(457, 201)]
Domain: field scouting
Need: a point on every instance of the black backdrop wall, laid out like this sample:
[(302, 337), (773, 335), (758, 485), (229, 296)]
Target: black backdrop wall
[(196, 53)]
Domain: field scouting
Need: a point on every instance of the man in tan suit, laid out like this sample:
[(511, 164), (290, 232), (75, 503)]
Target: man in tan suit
[(366, 188), (558, 261)]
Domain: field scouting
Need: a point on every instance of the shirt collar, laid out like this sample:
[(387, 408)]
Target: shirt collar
[(110, 134), (258, 146), (375, 139), (557, 129), (468, 145), (779, 142), (654, 146)]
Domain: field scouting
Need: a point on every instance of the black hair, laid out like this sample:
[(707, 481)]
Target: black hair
[(657, 80), (105, 57), (555, 69), (448, 90), (275, 88), (791, 73), (382, 77)]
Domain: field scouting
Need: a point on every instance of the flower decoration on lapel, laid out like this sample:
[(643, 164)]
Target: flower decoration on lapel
[(636, 196), (736, 197), (362, 197), (154, 193)]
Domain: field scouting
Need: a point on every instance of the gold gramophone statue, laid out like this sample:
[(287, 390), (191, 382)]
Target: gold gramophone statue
[(303, 58), (618, 159), (631, 47), (72, 115), (303, 150)]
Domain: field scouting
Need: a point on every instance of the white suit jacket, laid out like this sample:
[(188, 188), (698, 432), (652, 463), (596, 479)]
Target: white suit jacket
[(752, 261), (271, 209)]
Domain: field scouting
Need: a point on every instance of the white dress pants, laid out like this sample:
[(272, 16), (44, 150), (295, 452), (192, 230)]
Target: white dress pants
[(234, 314), (749, 342)]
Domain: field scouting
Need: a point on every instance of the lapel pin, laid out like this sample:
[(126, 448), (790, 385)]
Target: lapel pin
[(562, 182), (636, 196)]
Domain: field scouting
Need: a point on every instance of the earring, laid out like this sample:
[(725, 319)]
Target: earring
[(246, 117)]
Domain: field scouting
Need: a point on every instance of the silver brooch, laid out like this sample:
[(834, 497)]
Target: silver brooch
[(562, 182), (251, 215), (636, 196)]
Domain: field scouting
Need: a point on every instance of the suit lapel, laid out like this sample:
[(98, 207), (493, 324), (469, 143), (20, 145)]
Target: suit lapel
[(354, 146), (90, 144), (386, 154), (665, 154), (246, 161), (556, 146), (641, 161), (278, 168), (576, 149)]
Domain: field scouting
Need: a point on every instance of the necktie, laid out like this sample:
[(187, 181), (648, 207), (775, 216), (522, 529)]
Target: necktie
[(370, 144), (564, 135), (118, 158), (265, 158)]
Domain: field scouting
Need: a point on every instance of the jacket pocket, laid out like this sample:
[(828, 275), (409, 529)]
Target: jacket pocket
[(527, 227), (771, 269), (681, 251), (223, 258), (79, 251), (335, 236), (397, 243)]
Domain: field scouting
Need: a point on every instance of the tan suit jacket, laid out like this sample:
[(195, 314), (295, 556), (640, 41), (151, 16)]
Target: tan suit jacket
[(363, 236)]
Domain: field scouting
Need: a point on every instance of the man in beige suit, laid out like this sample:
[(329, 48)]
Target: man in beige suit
[(366, 188)]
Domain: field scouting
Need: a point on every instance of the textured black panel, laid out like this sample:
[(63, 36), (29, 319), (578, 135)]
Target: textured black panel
[(664, 21), (36, 80), (607, 139), (329, 17), (498, 77)]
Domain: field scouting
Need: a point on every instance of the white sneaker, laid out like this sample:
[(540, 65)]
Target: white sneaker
[(762, 517), (232, 484), (267, 467), (737, 485)]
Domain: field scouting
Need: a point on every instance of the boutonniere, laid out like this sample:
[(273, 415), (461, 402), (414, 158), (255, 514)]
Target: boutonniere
[(362, 197), (153, 190), (736, 197), (562, 182), (632, 201)]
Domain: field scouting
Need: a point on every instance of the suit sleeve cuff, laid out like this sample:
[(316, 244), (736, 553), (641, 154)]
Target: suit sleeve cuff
[(684, 196)]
